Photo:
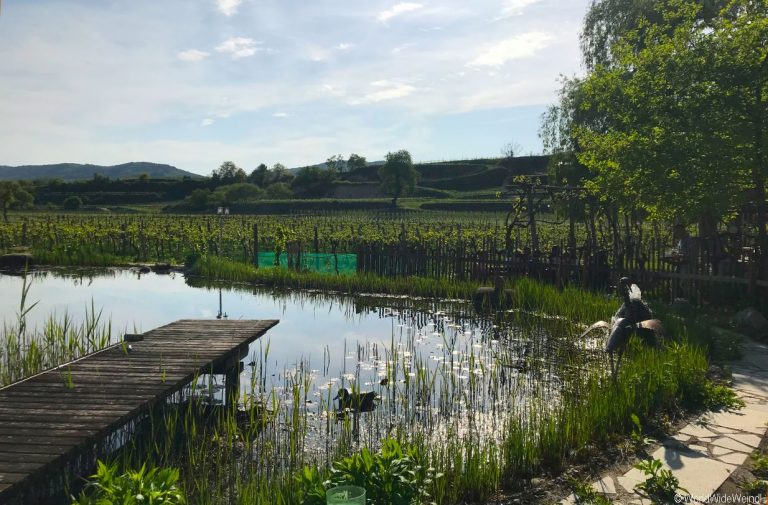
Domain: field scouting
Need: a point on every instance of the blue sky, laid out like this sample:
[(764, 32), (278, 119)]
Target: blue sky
[(195, 82)]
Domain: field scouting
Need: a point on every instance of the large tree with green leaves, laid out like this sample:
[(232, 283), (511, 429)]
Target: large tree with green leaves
[(229, 173), (13, 195), (398, 177), (682, 105)]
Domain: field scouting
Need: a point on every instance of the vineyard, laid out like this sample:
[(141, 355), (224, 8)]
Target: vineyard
[(452, 247), (173, 238)]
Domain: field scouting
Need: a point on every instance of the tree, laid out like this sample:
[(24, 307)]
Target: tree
[(72, 202), (313, 182), (335, 163), (398, 177), (279, 191), (608, 21), (511, 149), (8, 190), (234, 193), (682, 108), (356, 162), (229, 173), (199, 198), (259, 175)]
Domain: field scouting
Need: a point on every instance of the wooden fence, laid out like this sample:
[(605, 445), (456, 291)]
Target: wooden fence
[(702, 279)]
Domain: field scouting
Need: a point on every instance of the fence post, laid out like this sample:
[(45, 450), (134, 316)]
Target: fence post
[(256, 245)]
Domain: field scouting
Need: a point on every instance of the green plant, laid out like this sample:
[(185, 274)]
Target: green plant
[(754, 487), (760, 464), (311, 482), (637, 438), (661, 485), (390, 477), (142, 487), (719, 397), (585, 494)]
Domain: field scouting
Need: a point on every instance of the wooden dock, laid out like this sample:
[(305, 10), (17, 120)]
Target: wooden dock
[(50, 418)]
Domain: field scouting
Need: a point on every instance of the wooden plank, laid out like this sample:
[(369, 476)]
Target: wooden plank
[(54, 415)]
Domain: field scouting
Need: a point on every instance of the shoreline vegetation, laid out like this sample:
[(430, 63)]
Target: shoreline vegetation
[(539, 439)]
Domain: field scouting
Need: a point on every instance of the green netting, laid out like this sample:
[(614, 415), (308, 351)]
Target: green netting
[(320, 262)]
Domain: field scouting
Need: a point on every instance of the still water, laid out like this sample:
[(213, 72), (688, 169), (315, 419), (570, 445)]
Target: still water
[(426, 360)]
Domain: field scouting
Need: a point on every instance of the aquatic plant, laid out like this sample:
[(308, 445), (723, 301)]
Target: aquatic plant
[(157, 486), (26, 351)]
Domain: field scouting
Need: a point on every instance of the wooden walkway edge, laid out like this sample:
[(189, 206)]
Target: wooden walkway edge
[(49, 418)]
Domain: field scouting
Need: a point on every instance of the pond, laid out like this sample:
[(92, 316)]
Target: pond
[(436, 367)]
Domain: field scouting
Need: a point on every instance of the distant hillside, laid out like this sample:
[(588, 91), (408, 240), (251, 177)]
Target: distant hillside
[(324, 166), (464, 175), (78, 171)]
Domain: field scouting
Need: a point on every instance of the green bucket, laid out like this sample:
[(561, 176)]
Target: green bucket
[(345, 495)]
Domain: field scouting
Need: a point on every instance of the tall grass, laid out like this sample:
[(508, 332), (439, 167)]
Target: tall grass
[(25, 351), (212, 267)]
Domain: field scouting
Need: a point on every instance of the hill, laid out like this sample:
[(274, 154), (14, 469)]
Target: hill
[(78, 171)]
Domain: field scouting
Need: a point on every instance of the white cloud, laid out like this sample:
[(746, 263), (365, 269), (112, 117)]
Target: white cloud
[(192, 55), (398, 9), (281, 114), (387, 90), (206, 122), (344, 46), (515, 7), (228, 7), (520, 46), (239, 47)]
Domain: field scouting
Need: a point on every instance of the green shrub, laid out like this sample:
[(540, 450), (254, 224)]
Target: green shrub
[(392, 476), (661, 485), (142, 487), (72, 203)]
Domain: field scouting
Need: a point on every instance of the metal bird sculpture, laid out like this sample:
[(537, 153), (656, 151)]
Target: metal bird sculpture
[(634, 317)]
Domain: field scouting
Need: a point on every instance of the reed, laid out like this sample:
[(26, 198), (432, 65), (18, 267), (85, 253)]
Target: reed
[(25, 351)]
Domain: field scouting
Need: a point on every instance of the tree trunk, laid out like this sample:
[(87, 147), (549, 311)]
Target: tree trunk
[(532, 222), (571, 227), (758, 176)]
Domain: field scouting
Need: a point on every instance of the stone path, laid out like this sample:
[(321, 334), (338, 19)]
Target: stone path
[(704, 453)]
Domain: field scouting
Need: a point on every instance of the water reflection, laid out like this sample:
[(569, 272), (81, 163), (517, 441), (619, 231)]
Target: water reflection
[(435, 367)]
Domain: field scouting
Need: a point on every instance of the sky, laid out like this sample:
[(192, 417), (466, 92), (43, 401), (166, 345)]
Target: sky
[(193, 83)]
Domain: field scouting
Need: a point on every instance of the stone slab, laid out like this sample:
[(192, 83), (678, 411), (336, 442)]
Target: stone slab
[(719, 451), (745, 419), (694, 430), (698, 473), (630, 480), (734, 458), (747, 439), (731, 444), (605, 485)]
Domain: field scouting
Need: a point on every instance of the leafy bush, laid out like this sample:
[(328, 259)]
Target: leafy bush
[(143, 487), (390, 477), (754, 487), (719, 397), (661, 485), (760, 464), (73, 203)]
